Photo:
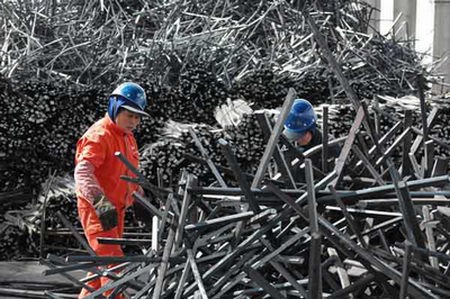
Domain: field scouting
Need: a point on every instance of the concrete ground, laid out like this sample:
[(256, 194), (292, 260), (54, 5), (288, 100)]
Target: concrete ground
[(25, 279)]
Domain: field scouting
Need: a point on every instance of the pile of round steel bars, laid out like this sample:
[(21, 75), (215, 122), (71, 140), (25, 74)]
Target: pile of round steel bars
[(61, 59)]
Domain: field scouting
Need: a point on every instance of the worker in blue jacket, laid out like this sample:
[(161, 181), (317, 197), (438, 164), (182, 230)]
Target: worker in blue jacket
[(301, 130)]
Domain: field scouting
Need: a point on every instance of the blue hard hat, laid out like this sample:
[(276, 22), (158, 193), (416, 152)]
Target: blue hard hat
[(130, 96), (300, 120)]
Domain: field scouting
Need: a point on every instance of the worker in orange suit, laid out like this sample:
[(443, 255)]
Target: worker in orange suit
[(102, 197)]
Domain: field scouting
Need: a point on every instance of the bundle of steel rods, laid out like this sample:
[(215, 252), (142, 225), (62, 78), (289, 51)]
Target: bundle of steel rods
[(61, 60)]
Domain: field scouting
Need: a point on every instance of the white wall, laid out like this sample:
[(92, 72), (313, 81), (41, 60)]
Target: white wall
[(425, 28), (386, 16)]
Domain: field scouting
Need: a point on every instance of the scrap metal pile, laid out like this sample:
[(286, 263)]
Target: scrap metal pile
[(268, 237), (225, 219)]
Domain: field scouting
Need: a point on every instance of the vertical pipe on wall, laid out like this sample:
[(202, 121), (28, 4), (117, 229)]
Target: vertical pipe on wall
[(407, 23), (374, 24), (441, 43)]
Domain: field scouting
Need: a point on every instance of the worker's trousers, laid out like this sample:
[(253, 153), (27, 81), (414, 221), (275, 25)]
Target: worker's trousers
[(93, 229)]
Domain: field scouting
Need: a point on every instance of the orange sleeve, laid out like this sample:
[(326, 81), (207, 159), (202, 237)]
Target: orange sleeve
[(92, 149)]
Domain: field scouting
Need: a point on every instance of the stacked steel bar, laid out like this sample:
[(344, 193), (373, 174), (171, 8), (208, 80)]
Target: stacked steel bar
[(58, 66)]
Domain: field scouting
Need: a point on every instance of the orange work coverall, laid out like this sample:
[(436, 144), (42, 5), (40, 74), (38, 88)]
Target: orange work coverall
[(97, 146)]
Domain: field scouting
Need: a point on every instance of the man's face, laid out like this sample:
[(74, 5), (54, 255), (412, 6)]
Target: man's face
[(304, 139), (128, 120)]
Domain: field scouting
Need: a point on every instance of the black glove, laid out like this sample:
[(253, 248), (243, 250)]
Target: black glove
[(106, 212), (141, 214)]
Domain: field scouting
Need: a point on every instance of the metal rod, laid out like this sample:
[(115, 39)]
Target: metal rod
[(67, 276), (243, 183), (440, 166), (314, 273), (196, 273), (190, 181), (207, 158), (368, 165), (383, 140), (349, 218), (218, 221), (405, 272), (120, 281), (75, 233), (44, 216), (264, 123), (393, 146), (270, 147), (429, 157), (419, 139), (423, 109), (262, 282), (366, 279), (340, 162), (164, 264), (409, 216), (406, 146), (325, 138), (431, 242), (122, 259)]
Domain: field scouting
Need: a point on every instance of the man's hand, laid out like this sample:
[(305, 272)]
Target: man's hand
[(106, 212)]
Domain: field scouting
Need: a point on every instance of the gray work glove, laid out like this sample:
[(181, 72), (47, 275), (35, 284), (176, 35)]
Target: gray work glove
[(106, 212)]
